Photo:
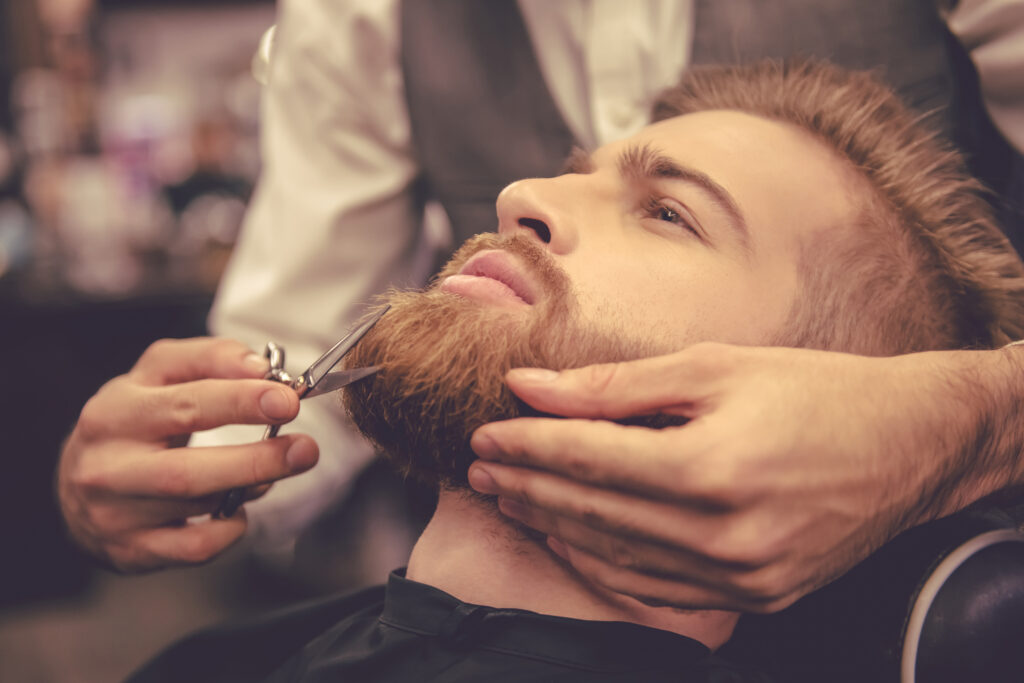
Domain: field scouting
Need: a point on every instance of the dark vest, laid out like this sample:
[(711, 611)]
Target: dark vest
[(483, 117)]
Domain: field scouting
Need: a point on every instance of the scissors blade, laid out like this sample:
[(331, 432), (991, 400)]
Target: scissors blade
[(323, 365), (342, 378)]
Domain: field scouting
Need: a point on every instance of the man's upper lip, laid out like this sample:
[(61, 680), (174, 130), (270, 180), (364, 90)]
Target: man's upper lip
[(504, 267)]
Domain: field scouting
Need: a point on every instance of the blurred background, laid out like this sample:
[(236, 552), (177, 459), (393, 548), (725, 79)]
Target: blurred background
[(128, 151)]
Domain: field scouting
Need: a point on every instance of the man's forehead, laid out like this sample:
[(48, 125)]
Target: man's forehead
[(721, 132)]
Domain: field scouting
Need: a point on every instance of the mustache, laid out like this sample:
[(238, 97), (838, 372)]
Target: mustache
[(539, 262)]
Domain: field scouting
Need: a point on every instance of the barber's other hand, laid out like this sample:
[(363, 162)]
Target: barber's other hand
[(126, 482), (795, 465)]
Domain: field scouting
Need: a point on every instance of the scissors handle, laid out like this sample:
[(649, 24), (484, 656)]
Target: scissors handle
[(274, 353), (313, 381)]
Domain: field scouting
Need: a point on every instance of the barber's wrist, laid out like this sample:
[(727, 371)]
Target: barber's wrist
[(1011, 425), (986, 412)]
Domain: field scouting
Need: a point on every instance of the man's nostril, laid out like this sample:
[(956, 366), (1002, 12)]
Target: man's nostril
[(539, 227)]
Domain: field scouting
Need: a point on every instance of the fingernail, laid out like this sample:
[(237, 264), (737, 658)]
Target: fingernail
[(275, 404), (558, 548), (512, 508), (301, 455), (533, 375), (481, 480), (256, 363), (484, 445)]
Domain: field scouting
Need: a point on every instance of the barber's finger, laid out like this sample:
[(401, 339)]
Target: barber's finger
[(196, 472), (601, 509), (169, 361), (188, 544), (628, 552), (255, 492), (156, 413), (675, 384), (116, 517), (657, 591), (654, 461)]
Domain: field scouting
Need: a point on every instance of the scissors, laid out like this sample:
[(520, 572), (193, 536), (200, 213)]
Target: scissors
[(315, 381)]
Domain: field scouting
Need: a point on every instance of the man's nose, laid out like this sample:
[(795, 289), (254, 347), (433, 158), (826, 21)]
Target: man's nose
[(539, 208)]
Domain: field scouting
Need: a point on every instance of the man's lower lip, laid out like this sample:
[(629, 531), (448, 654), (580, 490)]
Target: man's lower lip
[(481, 289)]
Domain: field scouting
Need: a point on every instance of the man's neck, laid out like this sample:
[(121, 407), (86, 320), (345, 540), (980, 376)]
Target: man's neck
[(468, 551)]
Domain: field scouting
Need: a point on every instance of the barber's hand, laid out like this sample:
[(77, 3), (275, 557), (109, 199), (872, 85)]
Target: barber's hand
[(795, 465), (127, 483)]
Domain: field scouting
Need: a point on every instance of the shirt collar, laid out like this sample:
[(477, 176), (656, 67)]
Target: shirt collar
[(590, 645)]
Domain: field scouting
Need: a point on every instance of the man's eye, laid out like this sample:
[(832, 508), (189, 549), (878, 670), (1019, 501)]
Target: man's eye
[(669, 211), (667, 214)]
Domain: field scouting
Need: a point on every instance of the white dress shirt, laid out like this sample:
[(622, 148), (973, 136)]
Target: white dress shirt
[(333, 222)]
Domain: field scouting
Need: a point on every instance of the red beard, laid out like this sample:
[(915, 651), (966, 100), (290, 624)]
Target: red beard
[(444, 361)]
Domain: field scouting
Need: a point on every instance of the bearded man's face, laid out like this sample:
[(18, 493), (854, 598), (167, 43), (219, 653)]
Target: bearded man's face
[(689, 231)]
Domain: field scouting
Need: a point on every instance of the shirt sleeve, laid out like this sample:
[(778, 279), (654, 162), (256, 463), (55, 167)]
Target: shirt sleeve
[(333, 221), (993, 32)]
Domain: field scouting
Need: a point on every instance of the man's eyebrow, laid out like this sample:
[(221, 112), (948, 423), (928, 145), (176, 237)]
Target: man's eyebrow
[(642, 162), (579, 161)]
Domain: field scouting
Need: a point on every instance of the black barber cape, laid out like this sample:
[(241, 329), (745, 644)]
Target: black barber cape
[(410, 632)]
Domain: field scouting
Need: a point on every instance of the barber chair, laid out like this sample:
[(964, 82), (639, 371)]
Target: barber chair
[(967, 619), (943, 603)]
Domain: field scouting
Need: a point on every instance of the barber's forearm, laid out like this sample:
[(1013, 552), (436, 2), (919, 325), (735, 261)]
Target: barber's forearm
[(980, 396)]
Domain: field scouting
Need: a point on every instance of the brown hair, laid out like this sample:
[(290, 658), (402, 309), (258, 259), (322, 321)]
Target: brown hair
[(926, 266)]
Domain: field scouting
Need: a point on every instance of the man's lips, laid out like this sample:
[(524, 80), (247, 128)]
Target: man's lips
[(493, 275)]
